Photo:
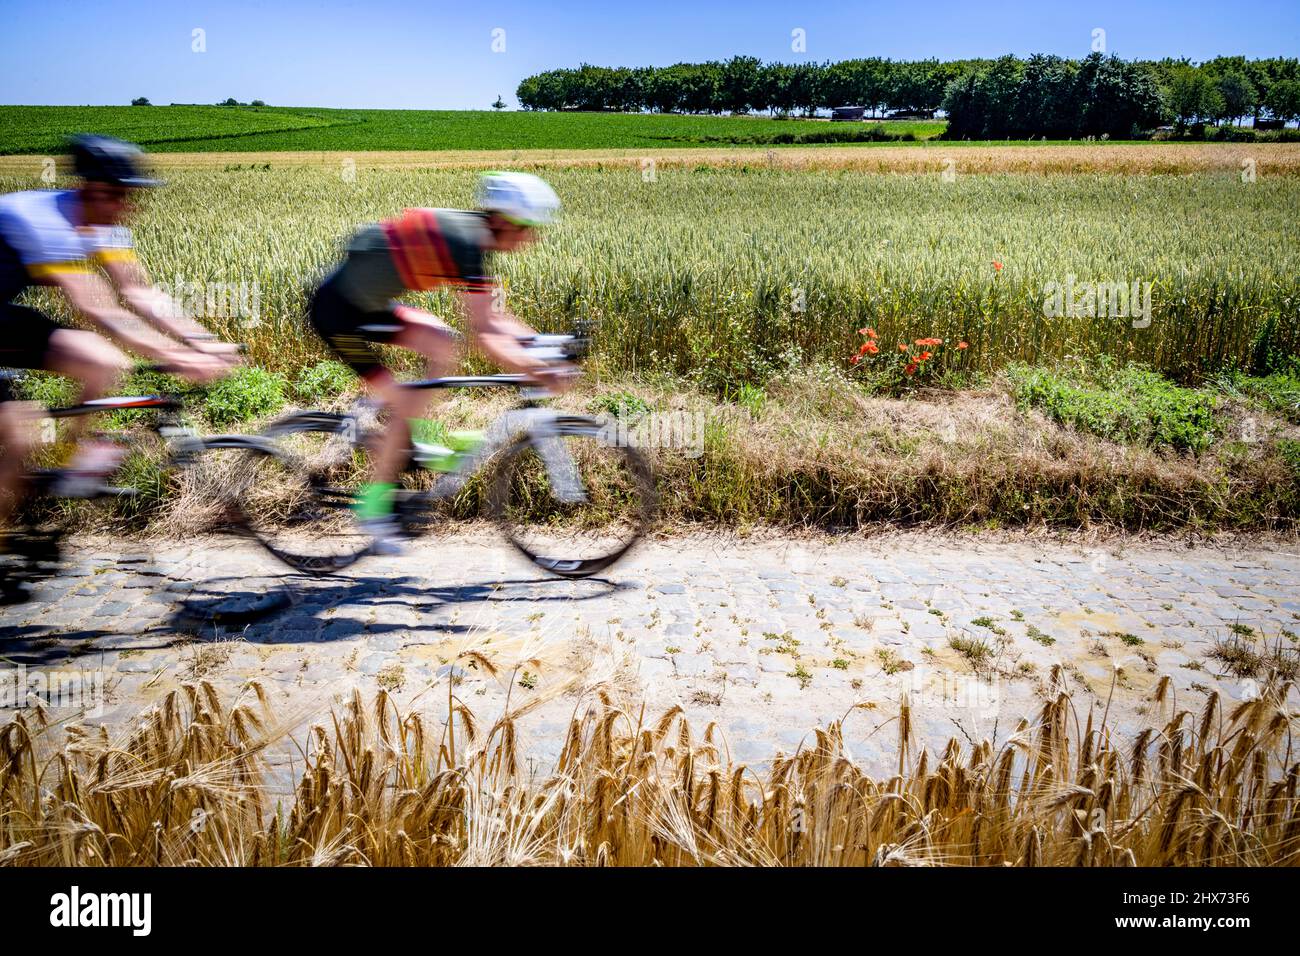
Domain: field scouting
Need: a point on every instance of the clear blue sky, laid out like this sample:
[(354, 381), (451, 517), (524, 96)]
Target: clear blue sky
[(434, 54)]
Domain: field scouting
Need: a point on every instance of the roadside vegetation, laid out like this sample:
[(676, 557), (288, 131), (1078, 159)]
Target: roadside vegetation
[(1127, 404), (819, 448)]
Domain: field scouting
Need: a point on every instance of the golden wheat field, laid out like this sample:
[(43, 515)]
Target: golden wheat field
[(1129, 158), (382, 786)]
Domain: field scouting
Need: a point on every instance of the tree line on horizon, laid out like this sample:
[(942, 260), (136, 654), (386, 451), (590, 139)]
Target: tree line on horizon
[(983, 98)]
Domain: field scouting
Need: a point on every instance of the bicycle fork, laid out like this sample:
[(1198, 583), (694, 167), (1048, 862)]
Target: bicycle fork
[(539, 426)]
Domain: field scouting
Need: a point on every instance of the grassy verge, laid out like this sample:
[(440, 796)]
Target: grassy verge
[(1127, 404), (385, 787), (1071, 446)]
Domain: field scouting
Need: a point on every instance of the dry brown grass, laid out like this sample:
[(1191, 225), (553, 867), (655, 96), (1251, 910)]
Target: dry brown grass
[(383, 786), (819, 454), (1155, 158)]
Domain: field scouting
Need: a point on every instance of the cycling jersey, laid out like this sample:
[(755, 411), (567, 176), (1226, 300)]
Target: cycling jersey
[(418, 251), (40, 238)]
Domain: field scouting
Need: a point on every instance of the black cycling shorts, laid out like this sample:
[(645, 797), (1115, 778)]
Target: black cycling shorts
[(24, 337), (350, 331)]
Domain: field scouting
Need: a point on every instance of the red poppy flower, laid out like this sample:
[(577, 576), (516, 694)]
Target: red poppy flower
[(855, 359), (863, 348), (911, 369), (871, 348), (997, 265), (923, 357), (963, 345), (902, 347)]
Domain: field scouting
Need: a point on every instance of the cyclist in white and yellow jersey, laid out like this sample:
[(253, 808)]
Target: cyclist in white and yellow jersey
[(76, 240)]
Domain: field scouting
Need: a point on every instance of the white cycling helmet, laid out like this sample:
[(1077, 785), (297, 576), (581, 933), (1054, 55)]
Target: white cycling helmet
[(522, 198)]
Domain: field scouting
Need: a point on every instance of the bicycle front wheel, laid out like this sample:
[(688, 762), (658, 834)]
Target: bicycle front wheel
[(572, 499)]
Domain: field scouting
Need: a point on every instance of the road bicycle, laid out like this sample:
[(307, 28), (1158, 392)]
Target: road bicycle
[(568, 491), (34, 543)]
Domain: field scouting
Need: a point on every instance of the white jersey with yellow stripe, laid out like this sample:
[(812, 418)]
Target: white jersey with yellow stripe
[(42, 232)]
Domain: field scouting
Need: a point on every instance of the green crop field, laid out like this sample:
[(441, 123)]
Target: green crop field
[(724, 273), (43, 129)]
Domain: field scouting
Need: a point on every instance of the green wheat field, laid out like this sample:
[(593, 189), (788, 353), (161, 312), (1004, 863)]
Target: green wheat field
[(723, 272)]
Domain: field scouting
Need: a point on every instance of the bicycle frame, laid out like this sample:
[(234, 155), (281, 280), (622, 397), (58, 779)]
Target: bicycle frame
[(183, 442), (539, 422), (524, 428)]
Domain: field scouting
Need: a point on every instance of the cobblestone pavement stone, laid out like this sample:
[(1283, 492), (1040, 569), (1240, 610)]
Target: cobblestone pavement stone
[(767, 639)]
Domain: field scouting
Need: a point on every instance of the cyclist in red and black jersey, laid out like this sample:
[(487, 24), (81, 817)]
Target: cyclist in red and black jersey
[(420, 250)]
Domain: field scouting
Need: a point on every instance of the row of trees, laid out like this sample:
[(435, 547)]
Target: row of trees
[(1229, 89), (1051, 96), (1039, 90), (744, 84), (231, 101)]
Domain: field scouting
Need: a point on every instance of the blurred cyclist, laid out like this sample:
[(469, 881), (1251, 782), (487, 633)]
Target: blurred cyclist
[(55, 238), (420, 250)]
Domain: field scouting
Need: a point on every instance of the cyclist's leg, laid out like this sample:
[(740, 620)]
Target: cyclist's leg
[(92, 360), (430, 336), (30, 340), (350, 333), (436, 341), (15, 437), (24, 340)]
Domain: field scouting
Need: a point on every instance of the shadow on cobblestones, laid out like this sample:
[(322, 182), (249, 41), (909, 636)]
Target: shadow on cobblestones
[(299, 610), (34, 645)]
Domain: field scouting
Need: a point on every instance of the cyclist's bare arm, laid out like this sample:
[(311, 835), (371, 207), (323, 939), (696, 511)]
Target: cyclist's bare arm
[(93, 298), (498, 333), (159, 309)]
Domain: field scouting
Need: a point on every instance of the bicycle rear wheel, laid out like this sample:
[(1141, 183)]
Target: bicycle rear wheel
[(571, 499), (292, 491)]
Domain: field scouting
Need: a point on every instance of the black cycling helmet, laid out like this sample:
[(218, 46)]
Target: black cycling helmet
[(103, 159)]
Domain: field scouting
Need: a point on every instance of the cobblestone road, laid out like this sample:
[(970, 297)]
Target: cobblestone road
[(765, 638)]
